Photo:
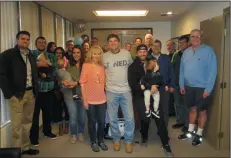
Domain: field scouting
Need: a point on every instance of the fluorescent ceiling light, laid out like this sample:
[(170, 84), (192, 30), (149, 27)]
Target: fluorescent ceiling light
[(169, 13), (121, 12)]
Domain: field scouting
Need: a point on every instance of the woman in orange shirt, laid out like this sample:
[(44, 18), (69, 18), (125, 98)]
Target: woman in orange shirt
[(92, 82)]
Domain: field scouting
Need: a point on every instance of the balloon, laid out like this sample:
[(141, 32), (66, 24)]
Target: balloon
[(78, 41)]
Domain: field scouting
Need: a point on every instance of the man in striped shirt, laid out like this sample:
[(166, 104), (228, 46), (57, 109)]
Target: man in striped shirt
[(44, 99)]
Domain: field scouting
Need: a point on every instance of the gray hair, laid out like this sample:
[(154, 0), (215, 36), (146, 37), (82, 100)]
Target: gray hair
[(197, 30)]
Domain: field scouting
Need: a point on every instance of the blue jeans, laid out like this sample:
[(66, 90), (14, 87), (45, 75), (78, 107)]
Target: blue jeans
[(125, 102), (182, 111), (76, 116)]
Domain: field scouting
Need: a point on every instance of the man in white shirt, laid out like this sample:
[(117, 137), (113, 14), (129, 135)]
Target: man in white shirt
[(118, 92)]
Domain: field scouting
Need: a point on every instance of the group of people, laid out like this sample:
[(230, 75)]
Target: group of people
[(89, 80)]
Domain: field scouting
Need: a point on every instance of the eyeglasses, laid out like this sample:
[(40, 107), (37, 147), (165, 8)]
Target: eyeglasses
[(196, 37)]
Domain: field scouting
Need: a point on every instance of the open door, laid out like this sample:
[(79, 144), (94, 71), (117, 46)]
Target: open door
[(212, 34), (225, 111), (216, 33)]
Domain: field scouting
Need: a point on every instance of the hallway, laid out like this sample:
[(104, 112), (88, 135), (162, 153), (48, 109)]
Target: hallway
[(62, 147)]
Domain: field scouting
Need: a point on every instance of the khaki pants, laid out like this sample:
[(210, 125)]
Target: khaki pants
[(21, 120)]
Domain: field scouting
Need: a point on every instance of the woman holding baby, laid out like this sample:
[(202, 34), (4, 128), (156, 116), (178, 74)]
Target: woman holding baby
[(69, 78)]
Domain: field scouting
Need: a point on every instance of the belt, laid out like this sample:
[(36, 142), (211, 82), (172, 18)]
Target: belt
[(29, 88)]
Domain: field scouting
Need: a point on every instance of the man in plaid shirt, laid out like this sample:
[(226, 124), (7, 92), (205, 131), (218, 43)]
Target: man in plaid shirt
[(46, 63)]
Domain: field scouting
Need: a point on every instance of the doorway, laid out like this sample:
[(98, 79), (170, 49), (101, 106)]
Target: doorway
[(217, 127)]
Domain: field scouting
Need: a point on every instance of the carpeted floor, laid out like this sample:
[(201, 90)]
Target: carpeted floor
[(61, 147)]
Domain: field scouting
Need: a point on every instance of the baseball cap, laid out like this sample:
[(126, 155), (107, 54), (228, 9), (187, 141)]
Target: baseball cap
[(141, 47)]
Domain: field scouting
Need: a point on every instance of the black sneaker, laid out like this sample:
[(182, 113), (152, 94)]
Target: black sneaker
[(51, 136), (156, 114), (197, 140), (30, 152), (177, 125), (95, 147), (103, 146), (167, 151), (144, 141), (184, 129), (148, 113), (184, 136)]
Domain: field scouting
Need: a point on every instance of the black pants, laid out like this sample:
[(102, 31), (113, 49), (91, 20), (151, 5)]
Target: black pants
[(57, 107), (164, 104), (145, 122), (96, 114), (44, 102)]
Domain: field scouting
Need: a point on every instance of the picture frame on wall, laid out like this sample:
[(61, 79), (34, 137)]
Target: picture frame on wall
[(126, 35)]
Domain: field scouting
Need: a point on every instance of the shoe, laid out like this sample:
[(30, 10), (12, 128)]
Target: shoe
[(144, 142), (116, 146), (35, 144), (61, 129), (148, 113), (81, 137), (177, 125), (103, 146), (167, 151), (184, 136), (129, 148), (51, 136), (30, 152), (197, 140), (184, 129), (95, 147), (73, 139), (156, 114), (66, 130)]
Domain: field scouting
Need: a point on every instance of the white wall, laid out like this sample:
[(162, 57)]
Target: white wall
[(161, 30), (192, 18)]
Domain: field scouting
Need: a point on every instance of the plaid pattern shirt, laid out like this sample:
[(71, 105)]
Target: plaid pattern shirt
[(45, 86)]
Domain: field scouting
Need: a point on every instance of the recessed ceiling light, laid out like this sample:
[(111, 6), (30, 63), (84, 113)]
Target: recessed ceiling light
[(169, 13), (121, 12)]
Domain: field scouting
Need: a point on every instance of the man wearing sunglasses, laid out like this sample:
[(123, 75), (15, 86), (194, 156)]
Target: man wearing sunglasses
[(198, 71)]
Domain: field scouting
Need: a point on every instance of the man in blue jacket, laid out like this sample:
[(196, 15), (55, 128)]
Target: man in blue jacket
[(166, 71), (198, 71)]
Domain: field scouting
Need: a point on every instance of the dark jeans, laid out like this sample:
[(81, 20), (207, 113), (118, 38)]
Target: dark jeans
[(66, 114), (182, 111), (160, 123), (96, 114), (44, 102)]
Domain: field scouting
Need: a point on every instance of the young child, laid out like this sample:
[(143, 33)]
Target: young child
[(65, 78), (152, 77), (46, 73)]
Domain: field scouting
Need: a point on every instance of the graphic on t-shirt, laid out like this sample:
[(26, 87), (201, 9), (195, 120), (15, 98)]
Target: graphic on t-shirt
[(121, 63)]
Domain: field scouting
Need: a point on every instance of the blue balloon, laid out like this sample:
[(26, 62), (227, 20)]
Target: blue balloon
[(78, 41)]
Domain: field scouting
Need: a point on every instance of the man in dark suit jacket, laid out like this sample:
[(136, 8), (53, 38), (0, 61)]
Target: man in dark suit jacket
[(167, 73), (18, 81)]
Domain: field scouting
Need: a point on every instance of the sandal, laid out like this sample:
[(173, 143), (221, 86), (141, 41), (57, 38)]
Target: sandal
[(95, 147)]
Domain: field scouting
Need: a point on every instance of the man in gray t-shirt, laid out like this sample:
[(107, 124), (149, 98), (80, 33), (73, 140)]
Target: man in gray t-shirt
[(116, 62)]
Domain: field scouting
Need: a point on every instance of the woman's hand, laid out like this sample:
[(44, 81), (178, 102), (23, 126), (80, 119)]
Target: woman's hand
[(65, 83), (85, 104)]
